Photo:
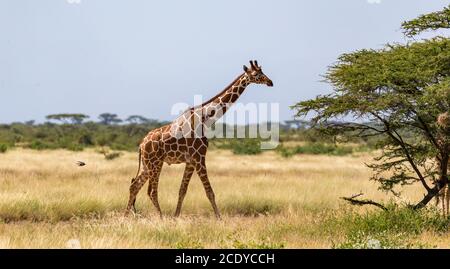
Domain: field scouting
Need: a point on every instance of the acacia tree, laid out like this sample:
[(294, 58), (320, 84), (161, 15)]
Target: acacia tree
[(137, 119), (396, 94), (109, 118), (68, 118)]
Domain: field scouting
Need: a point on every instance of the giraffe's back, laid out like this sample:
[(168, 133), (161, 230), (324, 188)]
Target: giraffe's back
[(163, 144)]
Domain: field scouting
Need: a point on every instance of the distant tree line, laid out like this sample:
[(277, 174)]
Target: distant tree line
[(75, 132), (104, 118)]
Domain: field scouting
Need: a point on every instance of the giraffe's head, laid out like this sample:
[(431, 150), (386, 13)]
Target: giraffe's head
[(256, 75)]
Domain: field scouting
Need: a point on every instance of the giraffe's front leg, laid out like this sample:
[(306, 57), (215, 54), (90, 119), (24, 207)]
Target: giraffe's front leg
[(188, 171), (153, 185)]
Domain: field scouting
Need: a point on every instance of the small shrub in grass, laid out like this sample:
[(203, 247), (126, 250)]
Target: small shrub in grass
[(112, 155), (189, 243), (250, 208), (285, 152), (109, 155), (399, 220), (262, 243), (3, 148), (394, 228), (382, 240)]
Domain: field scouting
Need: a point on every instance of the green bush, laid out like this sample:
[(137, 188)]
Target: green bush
[(39, 145), (316, 149), (86, 139), (400, 220), (395, 228), (381, 240), (3, 148), (74, 147), (246, 146)]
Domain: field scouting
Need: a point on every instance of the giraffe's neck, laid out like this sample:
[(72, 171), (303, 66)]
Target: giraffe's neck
[(217, 106)]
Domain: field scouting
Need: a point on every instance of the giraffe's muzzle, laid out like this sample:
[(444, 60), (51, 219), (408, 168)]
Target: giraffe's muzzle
[(269, 83)]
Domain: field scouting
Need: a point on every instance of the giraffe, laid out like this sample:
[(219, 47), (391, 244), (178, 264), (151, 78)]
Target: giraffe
[(184, 141), (443, 122)]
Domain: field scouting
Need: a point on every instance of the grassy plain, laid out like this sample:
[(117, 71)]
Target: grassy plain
[(267, 201)]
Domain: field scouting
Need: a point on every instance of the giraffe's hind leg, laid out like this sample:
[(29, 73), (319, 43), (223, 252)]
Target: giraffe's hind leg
[(136, 185)]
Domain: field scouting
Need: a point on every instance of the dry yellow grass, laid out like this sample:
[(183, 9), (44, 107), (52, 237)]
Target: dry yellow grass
[(265, 200)]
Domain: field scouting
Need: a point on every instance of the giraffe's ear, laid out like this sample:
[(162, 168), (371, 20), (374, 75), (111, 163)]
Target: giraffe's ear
[(245, 69)]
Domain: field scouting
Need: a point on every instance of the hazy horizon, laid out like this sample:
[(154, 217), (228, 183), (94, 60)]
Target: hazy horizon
[(141, 57)]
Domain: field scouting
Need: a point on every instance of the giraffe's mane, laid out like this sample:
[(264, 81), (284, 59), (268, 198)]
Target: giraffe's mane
[(217, 95)]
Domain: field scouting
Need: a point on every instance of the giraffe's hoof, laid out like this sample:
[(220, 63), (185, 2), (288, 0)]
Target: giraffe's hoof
[(128, 213)]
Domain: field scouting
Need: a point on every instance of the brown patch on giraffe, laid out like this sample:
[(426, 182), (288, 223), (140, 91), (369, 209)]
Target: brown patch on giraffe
[(174, 146), (234, 97), (197, 143)]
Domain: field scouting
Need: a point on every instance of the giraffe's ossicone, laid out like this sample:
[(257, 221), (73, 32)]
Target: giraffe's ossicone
[(184, 141)]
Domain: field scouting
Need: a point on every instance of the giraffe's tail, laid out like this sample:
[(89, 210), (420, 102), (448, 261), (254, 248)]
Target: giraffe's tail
[(139, 165)]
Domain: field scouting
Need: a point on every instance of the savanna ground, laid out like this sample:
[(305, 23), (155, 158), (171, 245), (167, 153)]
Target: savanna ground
[(266, 201)]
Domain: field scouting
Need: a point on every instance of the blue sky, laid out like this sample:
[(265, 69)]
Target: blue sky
[(141, 57)]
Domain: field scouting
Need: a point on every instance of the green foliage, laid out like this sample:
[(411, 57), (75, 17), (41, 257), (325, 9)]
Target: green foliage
[(315, 149), (39, 145), (431, 21), (399, 92), (188, 243), (74, 136), (242, 146), (379, 241), (67, 118), (395, 228), (74, 147), (108, 118), (3, 148), (396, 221), (261, 243)]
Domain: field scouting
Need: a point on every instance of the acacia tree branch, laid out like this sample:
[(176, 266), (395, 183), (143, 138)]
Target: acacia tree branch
[(430, 195), (426, 129), (352, 200), (402, 144)]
